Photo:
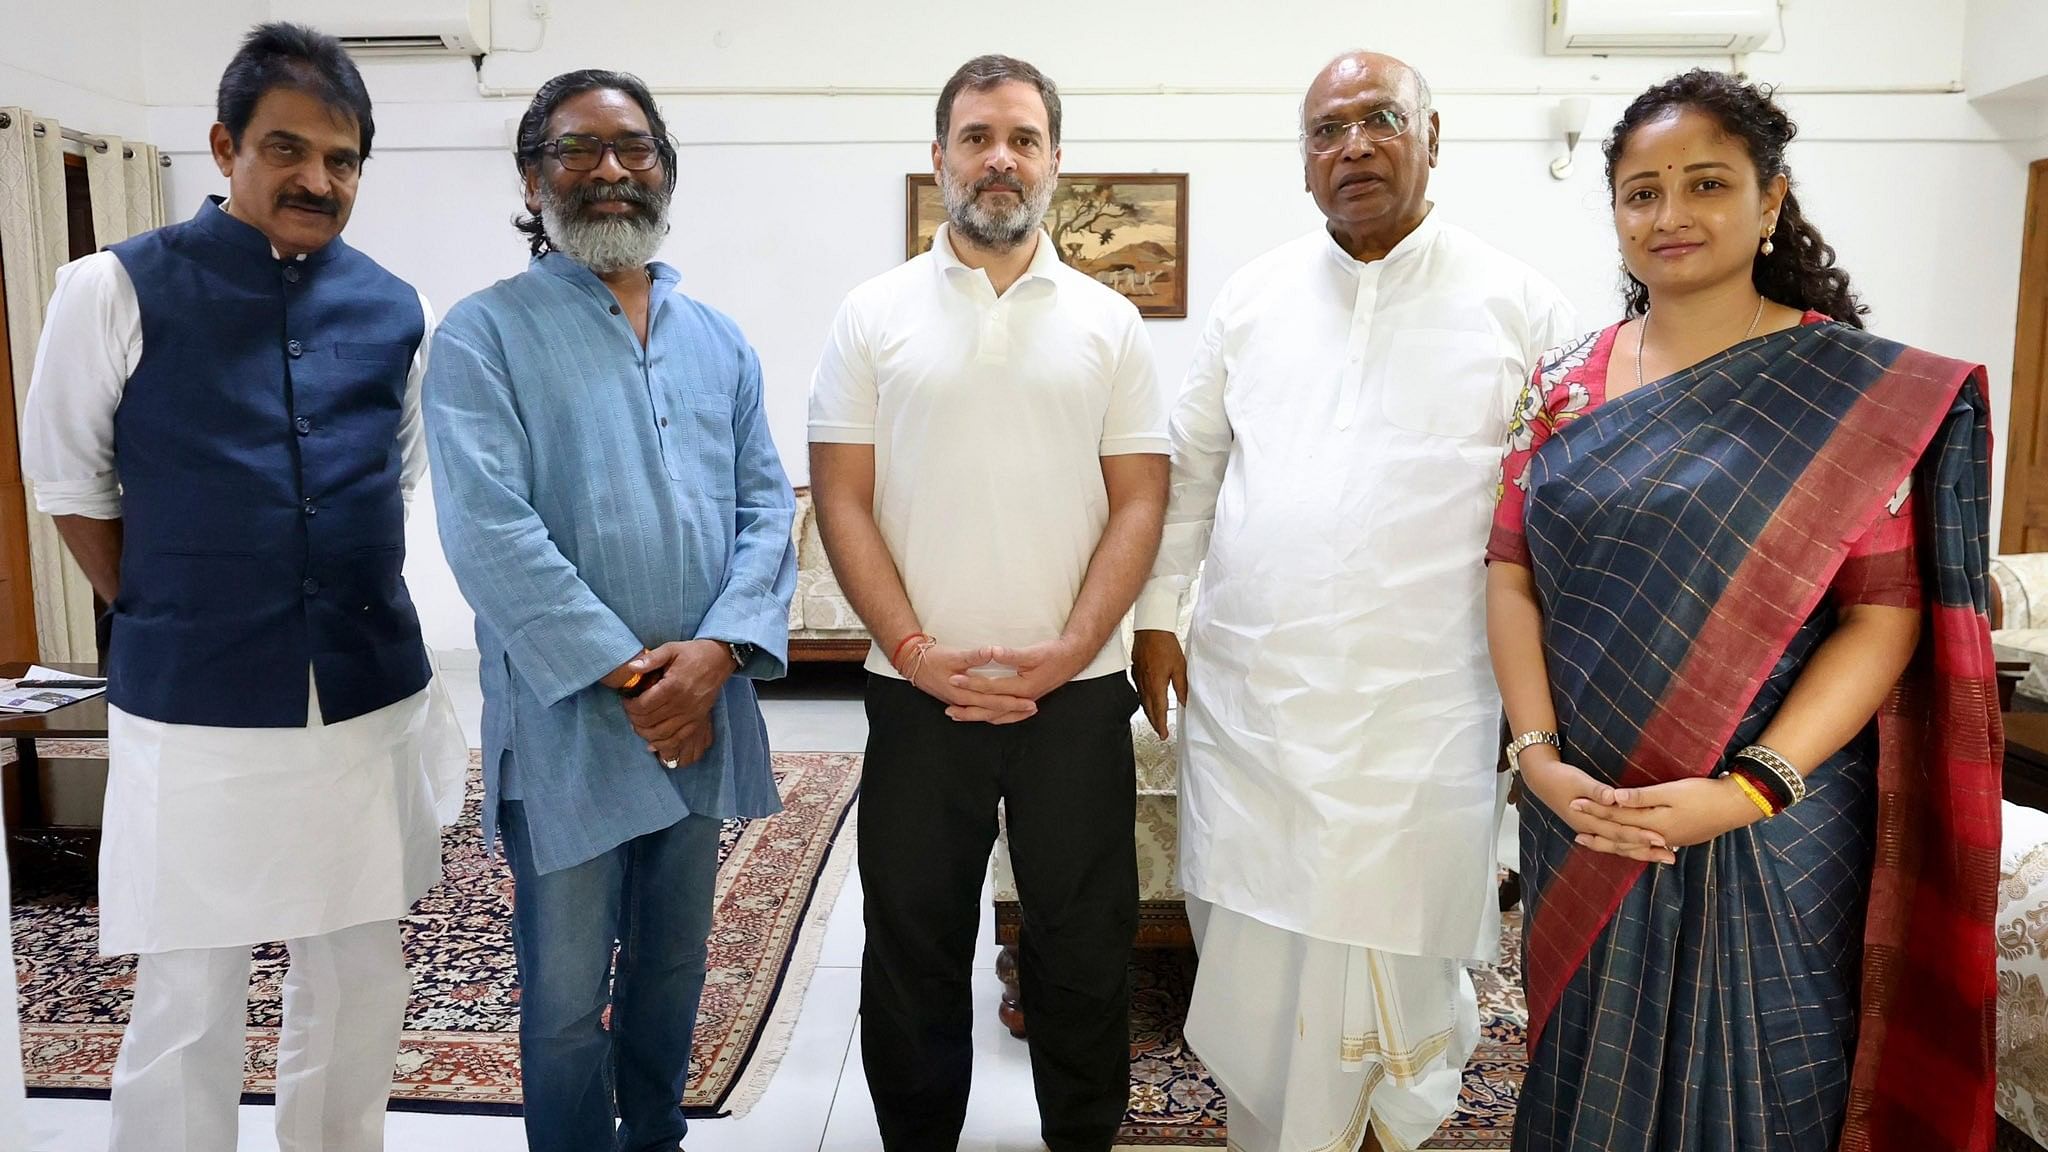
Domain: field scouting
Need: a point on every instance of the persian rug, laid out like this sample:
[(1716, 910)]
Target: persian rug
[(1175, 1103), (777, 880)]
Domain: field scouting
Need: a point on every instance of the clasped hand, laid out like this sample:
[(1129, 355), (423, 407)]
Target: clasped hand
[(674, 715), (1035, 671), (1647, 823)]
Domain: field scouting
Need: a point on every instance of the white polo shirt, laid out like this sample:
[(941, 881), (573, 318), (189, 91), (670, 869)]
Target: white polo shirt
[(990, 416)]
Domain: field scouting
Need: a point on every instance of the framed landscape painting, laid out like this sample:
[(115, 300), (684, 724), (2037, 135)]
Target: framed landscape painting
[(1128, 230)]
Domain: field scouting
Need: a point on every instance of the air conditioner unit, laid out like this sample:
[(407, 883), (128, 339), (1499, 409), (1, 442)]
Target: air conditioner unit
[(1659, 27), (396, 27)]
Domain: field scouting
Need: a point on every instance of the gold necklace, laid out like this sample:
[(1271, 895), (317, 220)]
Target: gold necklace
[(1643, 330)]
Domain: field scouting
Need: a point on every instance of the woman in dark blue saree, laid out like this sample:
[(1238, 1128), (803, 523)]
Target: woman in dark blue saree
[(1736, 602)]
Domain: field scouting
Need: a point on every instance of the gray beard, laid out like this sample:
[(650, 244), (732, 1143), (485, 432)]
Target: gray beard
[(995, 231), (603, 245)]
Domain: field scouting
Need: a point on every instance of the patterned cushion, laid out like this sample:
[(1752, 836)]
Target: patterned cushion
[(2029, 645), (826, 608), (796, 541), (1157, 832), (2022, 580), (2023, 972), (819, 610)]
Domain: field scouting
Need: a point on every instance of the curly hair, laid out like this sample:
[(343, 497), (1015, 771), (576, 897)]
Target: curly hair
[(1800, 271), (533, 128)]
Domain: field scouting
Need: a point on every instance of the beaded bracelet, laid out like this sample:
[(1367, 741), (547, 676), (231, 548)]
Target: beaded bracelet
[(1791, 786)]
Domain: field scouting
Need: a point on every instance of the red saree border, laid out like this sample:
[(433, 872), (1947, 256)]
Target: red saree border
[(1874, 448)]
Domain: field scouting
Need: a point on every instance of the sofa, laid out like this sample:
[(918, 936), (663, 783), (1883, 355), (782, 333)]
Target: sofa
[(822, 623), (2019, 640), (2019, 622), (2023, 972)]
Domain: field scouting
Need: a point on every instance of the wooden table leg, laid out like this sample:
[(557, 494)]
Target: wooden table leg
[(1011, 1011), (29, 770)]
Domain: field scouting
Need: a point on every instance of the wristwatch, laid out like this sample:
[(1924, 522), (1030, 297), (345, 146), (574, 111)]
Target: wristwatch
[(741, 653), (1527, 740)]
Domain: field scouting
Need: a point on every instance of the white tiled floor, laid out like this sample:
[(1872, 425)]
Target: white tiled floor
[(818, 1099)]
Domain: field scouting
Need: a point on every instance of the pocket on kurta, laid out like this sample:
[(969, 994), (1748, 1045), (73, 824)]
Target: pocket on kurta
[(697, 442), (1441, 382)]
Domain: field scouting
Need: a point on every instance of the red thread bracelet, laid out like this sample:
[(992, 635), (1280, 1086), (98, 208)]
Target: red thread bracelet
[(897, 656)]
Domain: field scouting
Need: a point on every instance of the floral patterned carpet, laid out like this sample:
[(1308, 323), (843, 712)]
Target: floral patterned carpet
[(777, 882)]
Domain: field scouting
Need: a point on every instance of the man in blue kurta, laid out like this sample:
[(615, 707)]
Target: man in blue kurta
[(614, 509)]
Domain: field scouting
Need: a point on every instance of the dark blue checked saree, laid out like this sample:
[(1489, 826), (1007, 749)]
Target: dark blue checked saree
[(1823, 979)]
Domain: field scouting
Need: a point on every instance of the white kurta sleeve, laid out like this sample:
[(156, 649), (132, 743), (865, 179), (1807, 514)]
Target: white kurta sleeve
[(1549, 321), (1552, 320), (412, 434), (91, 341), (1201, 437)]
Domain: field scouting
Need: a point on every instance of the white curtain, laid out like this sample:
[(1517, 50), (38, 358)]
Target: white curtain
[(126, 184), (127, 197)]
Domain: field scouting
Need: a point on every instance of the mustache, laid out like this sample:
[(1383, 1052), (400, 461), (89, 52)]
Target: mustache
[(639, 195), (325, 204), (998, 180)]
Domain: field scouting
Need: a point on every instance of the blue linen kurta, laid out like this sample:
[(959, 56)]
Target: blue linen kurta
[(595, 497)]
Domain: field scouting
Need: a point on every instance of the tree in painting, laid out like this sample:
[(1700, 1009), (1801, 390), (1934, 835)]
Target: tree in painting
[(1084, 212)]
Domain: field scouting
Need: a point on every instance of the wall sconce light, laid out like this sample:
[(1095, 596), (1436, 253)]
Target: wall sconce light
[(1571, 121)]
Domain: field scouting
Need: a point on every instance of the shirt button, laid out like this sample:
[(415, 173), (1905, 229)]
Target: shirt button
[(309, 585), (303, 425), (310, 510), (615, 309), (294, 348), (291, 275), (664, 421)]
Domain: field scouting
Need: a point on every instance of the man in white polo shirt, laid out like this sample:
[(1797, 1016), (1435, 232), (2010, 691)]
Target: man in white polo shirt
[(988, 455)]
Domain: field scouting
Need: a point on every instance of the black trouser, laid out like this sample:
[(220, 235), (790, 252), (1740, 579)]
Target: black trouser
[(927, 822)]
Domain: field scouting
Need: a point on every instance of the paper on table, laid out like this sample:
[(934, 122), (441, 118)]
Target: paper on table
[(42, 699)]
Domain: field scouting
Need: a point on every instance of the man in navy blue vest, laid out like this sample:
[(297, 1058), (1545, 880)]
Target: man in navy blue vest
[(225, 423)]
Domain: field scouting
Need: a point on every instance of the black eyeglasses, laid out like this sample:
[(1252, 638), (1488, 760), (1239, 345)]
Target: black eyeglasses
[(636, 153)]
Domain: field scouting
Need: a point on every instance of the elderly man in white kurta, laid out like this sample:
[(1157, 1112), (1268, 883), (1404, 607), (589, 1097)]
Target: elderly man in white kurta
[(1333, 453), (224, 420)]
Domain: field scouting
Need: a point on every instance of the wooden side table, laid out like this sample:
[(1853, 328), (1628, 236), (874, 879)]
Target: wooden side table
[(85, 720)]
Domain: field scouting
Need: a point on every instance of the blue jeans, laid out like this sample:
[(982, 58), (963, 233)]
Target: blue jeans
[(651, 895)]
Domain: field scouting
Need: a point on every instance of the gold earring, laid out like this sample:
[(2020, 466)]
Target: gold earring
[(1768, 248)]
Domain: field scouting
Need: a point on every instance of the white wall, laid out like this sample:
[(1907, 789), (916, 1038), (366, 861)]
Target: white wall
[(2003, 49), (67, 60), (799, 118)]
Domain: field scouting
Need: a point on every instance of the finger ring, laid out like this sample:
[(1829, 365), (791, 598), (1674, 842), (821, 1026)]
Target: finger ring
[(671, 761)]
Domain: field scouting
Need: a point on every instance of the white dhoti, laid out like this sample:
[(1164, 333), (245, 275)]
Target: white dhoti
[(1311, 1040), (217, 839)]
